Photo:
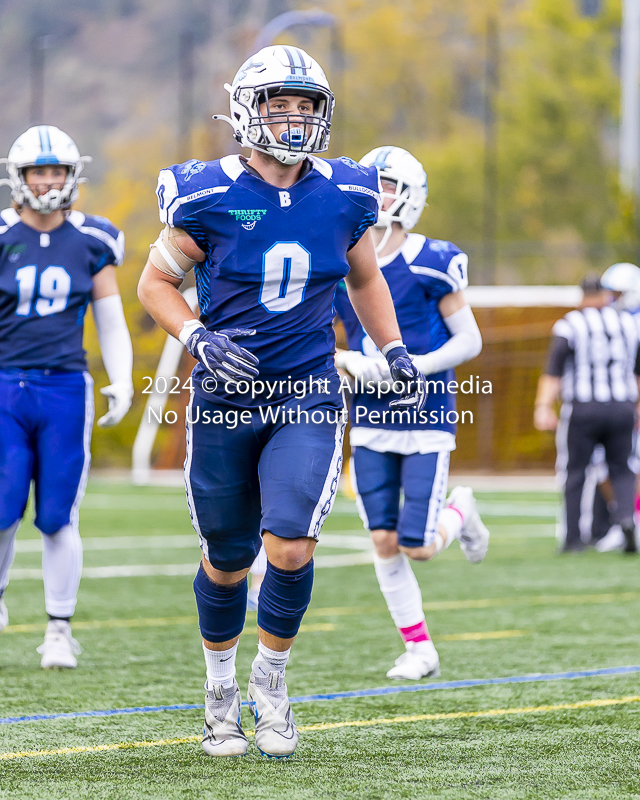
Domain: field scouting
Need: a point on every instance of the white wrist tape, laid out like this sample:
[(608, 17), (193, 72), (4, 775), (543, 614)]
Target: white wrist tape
[(113, 335), (391, 345), (464, 344), (188, 328)]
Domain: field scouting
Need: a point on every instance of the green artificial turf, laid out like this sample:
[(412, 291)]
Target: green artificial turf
[(554, 613)]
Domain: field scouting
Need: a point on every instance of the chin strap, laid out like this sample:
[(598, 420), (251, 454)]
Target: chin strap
[(387, 235)]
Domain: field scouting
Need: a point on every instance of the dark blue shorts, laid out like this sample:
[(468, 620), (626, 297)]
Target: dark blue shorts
[(46, 418), (378, 479), (262, 474)]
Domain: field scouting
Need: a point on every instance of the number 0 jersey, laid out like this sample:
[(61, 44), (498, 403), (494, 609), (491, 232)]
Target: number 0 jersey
[(45, 288), (273, 256), (419, 275)]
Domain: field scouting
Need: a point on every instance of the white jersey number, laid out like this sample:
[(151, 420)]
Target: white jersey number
[(53, 291), (285, 274)]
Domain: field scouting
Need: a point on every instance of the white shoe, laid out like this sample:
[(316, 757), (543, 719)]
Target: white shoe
[(276, 732), (474, 538), (59, 649), (4, 615), (419, 661), (223, 734), (612, 540)]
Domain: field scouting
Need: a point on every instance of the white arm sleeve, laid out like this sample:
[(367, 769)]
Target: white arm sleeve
[(465, 343), (115, 342)]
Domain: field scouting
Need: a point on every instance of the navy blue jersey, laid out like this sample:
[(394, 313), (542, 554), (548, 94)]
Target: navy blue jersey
[(45, 287), (419, 275), (273, 256)]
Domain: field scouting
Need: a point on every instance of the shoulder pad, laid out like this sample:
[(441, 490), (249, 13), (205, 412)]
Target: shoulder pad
[(8, 218), (101, 229), (355, 179), (437, 259), (184, 183), (102, 223)]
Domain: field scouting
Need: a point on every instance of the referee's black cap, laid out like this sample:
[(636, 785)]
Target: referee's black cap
[(590, 284)]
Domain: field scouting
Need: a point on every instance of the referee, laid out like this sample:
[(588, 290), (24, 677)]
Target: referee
[(592, 364)]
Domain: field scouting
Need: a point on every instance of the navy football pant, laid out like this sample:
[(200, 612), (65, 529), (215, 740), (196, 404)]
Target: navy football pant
[(46, 418), (378, 479), (582, 426), (264, 475)]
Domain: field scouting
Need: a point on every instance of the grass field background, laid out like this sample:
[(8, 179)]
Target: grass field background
[(524, 610)]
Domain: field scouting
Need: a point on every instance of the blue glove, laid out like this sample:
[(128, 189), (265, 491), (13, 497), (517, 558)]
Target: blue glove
[(404, 371), (221, 356)]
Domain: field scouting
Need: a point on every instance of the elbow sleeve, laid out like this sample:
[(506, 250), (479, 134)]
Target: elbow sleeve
[(465, 343), (113, 335)]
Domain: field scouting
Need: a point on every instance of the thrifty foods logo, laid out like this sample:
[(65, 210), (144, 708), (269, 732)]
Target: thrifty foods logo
[(248, 216)]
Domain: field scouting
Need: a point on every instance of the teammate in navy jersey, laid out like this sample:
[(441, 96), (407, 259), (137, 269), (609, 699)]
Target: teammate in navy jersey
[(410, 452), (269, 238), (53, 263)]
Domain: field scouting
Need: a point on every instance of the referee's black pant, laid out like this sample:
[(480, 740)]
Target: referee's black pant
[(582, 426)]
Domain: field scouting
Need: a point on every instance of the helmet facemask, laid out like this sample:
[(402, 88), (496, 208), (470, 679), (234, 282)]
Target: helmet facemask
[(44, 146), (304, 134), (54, 199)]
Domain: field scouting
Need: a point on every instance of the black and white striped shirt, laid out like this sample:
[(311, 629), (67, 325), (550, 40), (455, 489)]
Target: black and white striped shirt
[(595, 352)]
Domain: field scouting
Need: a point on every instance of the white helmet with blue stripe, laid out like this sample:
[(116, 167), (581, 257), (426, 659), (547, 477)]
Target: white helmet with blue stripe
[(44, 145), (410, 196), (623, 278), (273, 71)]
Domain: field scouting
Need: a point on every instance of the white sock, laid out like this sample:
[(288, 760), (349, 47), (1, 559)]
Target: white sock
[(7, 551), (450, 522), (269, 660), (400, 589), (61, 570), (221, 665)]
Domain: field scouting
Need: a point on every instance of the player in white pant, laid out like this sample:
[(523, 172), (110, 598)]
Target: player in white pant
[(394, 454), (53, 262)]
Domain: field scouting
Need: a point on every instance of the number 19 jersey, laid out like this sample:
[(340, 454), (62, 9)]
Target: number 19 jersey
[(45, 287), (273, 256)]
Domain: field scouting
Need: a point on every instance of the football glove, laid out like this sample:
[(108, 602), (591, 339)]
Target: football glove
[(221, 356), (404, 371), (368, 368), (120, 396)]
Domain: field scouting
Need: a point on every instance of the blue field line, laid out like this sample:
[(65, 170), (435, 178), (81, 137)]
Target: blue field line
[(314, 698)]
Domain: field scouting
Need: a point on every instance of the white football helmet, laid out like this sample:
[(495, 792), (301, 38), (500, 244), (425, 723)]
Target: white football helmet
[(280, 70), (623, 278), (44, 145), (410, 197)]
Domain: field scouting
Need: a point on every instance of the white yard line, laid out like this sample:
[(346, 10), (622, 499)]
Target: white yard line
[(346, 540), (153, 570)]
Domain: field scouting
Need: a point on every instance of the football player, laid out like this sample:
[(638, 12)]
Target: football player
[(269, 238), (427, 278), (53, 262)]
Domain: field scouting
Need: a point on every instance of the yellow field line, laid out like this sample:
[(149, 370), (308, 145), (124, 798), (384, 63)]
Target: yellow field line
[(341, 611), (152, 622), (491, 602), (314, 627), (476, 636), (328, 726), (533, 600)]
